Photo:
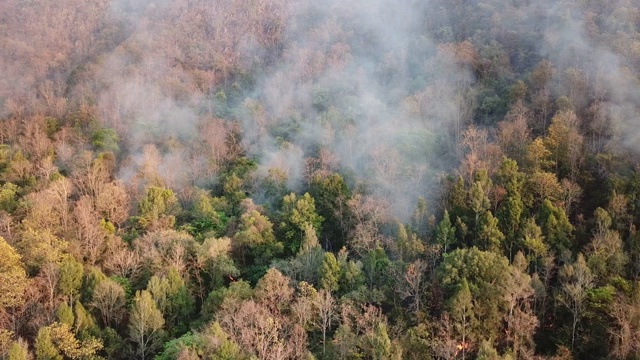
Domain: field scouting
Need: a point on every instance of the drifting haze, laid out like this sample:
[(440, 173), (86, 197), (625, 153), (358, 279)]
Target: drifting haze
[(373, 89)]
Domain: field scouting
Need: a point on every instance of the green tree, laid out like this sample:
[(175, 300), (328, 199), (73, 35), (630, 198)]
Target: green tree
[(307, 263), (70, 278), (330, 273), (64, 313), (58, 342), (19, 350), (145, 325), (478, 201), (8, 197), (45, 349), (255, 243), (605, 254), (105, 139), (511, 209), (533, 241), (409, 247), (331, 195), (13, 278), (173, 299), (461, 310), (158, 208), (376, 267), (489, 237), (564, 142), (296, 213), (487, 351), (487, 274), (376, 342), (445, 232), (556, 227)]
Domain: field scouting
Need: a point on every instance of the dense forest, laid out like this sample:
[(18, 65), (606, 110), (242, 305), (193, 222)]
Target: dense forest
[(272, 179)]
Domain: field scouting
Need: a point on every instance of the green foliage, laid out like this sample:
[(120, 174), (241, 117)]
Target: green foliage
[(306, 265), (489, 236), (237, 292), (408, 245), (330, 273), (296, 214), (157, 209), (71, 275), (173, 299), (64, 313), (19, 350), (461, 310), (57, 342), (45, 349), (445, 232), (487, 274), (13, 278), (331, 195), (215, 254), (211, 343), (105, 139), (255, 243), (556, 227), (207, 219), (376, 267), (8, 197)]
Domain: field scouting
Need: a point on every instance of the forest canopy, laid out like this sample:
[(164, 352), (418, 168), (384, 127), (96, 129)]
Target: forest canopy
[(270, 179)]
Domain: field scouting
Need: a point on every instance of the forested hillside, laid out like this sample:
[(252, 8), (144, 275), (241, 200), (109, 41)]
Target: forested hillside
[(271, 179)]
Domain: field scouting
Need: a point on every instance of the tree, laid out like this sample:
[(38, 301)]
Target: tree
[(331, 195), (556, 227), (88, 230), (57, 342), (19, 350), (486, 273), (158, 208), (113, 203), (172, 299), (92, 174), (325, 307), (376, 267), (255, 243), (411, 284), (564, 142), (489, 237), (307, 263), (445, 232), (461, 310), (145, 324), (13, 278), (330, 273), (625, 330), (511, 209), (274, 291), (45, 349), (296, 214), (605, 255), (575, 281), (110, 301), (521, 323), (70, 278)]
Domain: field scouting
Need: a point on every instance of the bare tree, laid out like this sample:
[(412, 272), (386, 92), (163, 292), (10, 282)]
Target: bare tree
[(326, 307), (411, 283), (109, 299), (575, 279)]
